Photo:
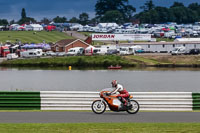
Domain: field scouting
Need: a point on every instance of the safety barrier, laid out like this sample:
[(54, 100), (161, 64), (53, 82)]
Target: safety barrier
[(165, 101), (20, 101), (82, 100)]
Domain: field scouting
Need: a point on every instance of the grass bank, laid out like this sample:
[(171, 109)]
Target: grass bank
[(81, 62), (166, 60), (32, 36), (74, 61), (102, 128)]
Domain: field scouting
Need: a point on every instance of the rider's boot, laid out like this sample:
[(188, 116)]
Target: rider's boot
[(129, 105)]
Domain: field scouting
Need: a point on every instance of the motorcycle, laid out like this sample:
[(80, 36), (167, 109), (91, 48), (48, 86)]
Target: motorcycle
[(99, 106)]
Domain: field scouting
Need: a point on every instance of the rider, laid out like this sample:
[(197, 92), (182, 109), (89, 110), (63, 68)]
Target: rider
[(123, 92)]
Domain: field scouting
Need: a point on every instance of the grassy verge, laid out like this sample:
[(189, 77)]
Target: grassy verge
[(75, 61), (166, 60), (102, 128)]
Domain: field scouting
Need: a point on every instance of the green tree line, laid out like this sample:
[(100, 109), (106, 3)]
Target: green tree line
[(176, 13)]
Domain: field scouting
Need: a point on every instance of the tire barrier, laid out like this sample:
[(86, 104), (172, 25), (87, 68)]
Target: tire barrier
[(82, 100)]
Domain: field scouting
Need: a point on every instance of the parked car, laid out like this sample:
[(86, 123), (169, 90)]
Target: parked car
[(75, 51), (194, 51), (61, 54), (112, 51), (12, 56), (100, 51), (50, 53)]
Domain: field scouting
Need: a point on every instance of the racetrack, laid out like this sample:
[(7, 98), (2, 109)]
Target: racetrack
[(90, 117)]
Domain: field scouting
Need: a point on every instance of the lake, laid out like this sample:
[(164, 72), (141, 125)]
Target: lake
[(95, 80)]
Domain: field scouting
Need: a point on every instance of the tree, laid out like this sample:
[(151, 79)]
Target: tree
[(60, 19), (26, 20), (83, 18), (45, 20), (148, 6), (112, 16), (94, 21), (177, 4), (194, 6), (3, 22), (12, 22), (102, 6), (163, 14), (74, 20), (23, 14)]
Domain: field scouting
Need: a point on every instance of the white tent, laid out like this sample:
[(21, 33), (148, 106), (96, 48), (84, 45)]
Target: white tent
[(107, 25), (34, 27)]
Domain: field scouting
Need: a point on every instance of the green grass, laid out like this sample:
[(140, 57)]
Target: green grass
[(164, 39), (141, 60), (101, 128), (74, 61), (32, 36)]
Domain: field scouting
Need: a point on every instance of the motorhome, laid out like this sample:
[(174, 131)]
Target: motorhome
[(100, 51), (136, 49), (75, 51), (31, 53), (126, 51), (178, 51), (12, 56)]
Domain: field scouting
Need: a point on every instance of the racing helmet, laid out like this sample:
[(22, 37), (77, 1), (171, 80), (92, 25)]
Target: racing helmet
[(114, 83)]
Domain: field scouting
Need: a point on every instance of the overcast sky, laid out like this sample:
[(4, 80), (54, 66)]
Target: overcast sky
[(38, 9)]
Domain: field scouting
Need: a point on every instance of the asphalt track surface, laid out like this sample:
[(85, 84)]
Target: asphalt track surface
[(90, 117)]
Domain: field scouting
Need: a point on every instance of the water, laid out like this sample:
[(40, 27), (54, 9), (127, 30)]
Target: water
[(95, 80)]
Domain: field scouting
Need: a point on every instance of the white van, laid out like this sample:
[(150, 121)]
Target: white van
[(75, 51), (126, 51), (31, 53), (100, 51), (178, 51), (12, 56)]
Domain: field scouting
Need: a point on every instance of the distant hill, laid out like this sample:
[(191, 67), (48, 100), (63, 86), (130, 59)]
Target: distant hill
[(32, 36)]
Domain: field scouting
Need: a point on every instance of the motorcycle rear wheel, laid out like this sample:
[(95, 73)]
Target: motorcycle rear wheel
[(98, 107), (135, 107)]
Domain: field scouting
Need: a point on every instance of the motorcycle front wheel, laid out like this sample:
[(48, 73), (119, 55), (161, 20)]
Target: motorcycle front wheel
[(98, 106), (135, 107)]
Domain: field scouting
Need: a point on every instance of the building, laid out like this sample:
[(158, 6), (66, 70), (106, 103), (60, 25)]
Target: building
[(64, 45), (163, 47)]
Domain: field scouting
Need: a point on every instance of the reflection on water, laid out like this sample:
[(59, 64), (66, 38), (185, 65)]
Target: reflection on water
[(149, 80)]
